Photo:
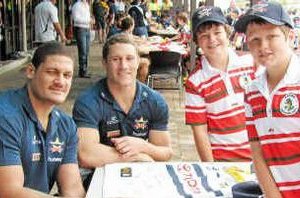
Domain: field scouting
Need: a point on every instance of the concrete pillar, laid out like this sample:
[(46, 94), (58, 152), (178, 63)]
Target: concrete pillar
[(24, 33), (61, 8), (192, 44)]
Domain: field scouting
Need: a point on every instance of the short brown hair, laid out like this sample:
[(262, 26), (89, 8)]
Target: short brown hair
[(49, 49), (208, 25), (118, 38), (284, 28)]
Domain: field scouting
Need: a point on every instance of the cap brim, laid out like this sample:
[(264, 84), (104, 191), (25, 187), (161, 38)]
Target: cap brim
[(242, 23), (209, 20)]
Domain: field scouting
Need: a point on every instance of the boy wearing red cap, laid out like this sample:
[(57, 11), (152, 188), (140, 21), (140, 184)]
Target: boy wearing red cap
[(272, 100)]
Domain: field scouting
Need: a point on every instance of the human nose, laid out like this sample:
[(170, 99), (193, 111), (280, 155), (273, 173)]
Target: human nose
[(123, 63), (263, 44), (59, 78)]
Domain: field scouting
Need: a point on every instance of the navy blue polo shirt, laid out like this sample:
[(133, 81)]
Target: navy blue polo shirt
[(96, 108), (24, 142)]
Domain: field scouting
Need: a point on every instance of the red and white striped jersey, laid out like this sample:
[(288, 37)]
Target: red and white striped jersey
[(273, 119), (216, 98)]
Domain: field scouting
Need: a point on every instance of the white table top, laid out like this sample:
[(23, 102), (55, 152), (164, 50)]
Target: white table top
[(168, 179)]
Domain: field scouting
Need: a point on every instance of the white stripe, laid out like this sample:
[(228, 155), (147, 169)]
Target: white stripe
[(194, 100), (280, 140), (278, 125), (226, 103), (284, 188), (195, 110), (232, 138), (249, 122), (254, 96), (212, 82), (231, 148), (286, 173)]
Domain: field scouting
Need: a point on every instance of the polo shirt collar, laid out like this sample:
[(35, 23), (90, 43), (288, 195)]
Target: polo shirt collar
[(292, 76), (233, 59), (140, 95), (293, 72), (27, 106)]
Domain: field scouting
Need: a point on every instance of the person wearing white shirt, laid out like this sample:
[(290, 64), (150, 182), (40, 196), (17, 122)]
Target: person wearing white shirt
[(81, 21)]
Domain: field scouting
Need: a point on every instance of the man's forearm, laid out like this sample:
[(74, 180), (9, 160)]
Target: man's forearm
[(60, 32)]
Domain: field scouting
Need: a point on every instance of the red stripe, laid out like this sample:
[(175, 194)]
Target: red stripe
[(236, 155), (252, 133), (292, 88), (250, 94), (291, 183), (240, 69), (279, 136), (194, 107), (291, 193), (195, 118), (227, 112), (227, 125), (274, 151)]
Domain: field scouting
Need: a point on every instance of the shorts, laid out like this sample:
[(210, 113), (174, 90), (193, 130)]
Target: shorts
[(100, 24)]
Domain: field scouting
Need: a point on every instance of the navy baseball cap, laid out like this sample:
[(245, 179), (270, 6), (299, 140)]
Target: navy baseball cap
[(207, 14), (271, 12)]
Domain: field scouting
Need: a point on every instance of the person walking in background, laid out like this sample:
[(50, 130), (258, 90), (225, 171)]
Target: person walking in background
[(272, 100), (82, 23), (138, 15), (100, 11), (215, 91), (120, 119), (38, 142), (46, 22)]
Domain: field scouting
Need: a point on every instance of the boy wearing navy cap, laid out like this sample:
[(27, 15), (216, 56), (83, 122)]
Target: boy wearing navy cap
[(272, 101), (215, 91)]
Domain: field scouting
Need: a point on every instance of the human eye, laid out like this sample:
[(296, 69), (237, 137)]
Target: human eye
[(130, 58), (114, 59), (68, 75), (51, 72), (203, 36)]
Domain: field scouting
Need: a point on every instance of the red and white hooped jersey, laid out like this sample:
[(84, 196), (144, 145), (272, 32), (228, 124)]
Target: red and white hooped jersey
[(273, 119), (216, 98)]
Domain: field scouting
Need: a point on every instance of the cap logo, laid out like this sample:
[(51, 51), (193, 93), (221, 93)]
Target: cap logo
[(262, 7), (205, 12)]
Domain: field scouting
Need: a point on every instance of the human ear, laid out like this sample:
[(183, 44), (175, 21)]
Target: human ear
[(30, 71)]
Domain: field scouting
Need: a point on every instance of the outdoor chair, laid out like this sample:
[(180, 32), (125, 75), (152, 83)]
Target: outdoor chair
[(165, 65)]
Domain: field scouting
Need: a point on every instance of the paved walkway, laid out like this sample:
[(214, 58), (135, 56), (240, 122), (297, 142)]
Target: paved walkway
[(182, 140)]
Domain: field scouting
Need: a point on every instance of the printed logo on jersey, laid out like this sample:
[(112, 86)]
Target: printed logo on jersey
[(289, 104), (141, 123), (36, 157), (56, 146), (245, 81), (36, 140)]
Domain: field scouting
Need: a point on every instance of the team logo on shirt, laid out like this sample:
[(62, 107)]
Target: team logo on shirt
[(245, 81), (56, 146), (141, 123), (289, 104)]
